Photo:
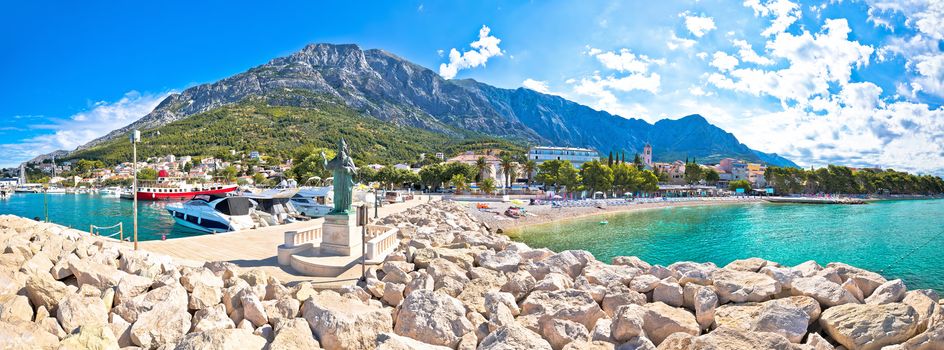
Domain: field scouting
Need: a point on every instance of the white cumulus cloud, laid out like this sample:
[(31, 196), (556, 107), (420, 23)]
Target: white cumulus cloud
[(723, 61), (783, 13), (698, 25), (482, 49), (675, 43), (68, 133), (536, 85), (747, 53)]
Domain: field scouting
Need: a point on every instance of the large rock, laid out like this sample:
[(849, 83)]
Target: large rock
[(561, 332), (432, 318), (504, 261), (826, 292), (743, 286), (214, 317), (171, 297), (203, 296), (345, 323), (724, 338), (44, 291), (392, 341), (254, 311), (91, 337), (705, 302), (26, 335), (867, 327), (513, 337), (161, 325), (222, 339), (76, 310), (889, 292), (661, 320), (293, 334), (775, 316), (571, 304), (866, 280), (925, 305), (15, 308), (628, 323), (668, 291), (99, 275)]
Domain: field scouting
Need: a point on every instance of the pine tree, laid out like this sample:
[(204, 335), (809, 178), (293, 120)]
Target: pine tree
[(609, 162)]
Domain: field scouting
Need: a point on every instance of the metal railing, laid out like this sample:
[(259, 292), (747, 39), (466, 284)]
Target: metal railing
[(120, 233)]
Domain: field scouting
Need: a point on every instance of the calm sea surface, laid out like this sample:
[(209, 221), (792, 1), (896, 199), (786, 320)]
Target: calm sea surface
[(81, 210), (900, 239)]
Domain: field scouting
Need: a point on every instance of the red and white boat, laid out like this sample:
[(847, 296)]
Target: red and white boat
[(177, 189)]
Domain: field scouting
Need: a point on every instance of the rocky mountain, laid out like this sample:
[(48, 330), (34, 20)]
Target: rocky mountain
[(386, 87)]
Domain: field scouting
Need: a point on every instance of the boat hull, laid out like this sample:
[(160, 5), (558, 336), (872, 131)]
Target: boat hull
[(155, 196)]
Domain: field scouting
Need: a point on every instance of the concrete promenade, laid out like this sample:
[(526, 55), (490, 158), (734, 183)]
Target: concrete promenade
[(258, 248)]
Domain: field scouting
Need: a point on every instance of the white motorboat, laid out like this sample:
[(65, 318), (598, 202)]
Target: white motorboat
[(314, 202), (29, 188), (6, 193), (214, 214), (55, 190), (111, 192), (275, 207)]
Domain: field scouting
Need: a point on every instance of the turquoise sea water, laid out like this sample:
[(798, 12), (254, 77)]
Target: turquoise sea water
[(81, 210), (872, 236)]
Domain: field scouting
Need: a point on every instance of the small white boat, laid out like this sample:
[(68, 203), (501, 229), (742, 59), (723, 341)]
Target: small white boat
[(214, 214), (314, 202), (274, 206), (111, 192), (6, 193), (29, 188), (55, 190)]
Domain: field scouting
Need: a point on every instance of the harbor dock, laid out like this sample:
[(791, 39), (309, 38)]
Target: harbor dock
[(257, 248)]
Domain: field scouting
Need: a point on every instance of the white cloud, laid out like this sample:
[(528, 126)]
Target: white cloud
[(536, 85), (625, 60), (921, 51), (698, 25), (815, 61), (747, 53), (483, 49), (66, 134), (783, 13), (675, 42), (723, 61)]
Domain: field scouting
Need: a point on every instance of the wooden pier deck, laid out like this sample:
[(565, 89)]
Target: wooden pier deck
[(258, 248)]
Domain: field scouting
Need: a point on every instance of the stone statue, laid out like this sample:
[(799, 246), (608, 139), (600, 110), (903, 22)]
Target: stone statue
[(343, 169)]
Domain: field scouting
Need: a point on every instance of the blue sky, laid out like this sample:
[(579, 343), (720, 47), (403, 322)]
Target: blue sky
[(849, 82)]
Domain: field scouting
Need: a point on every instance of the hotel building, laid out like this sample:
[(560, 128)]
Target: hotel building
[(576, 156)]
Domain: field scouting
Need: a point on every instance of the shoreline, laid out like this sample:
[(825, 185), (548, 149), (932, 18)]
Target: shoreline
[(545, 214)]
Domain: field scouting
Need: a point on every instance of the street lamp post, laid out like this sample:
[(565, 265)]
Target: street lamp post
[(135, 138)]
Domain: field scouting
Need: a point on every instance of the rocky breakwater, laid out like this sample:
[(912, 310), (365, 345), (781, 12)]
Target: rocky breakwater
[(450, 285)]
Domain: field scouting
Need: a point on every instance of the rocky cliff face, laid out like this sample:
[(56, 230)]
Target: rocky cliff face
[(395, 90)]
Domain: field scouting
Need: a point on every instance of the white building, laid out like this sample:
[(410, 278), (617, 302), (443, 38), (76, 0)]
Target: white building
[(576, 156)]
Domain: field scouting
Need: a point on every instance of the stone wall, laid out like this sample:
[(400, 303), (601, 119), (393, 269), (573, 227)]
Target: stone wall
[(450, 284)]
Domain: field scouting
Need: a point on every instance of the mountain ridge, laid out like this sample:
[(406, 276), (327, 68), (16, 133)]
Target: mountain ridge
[(387, 87)]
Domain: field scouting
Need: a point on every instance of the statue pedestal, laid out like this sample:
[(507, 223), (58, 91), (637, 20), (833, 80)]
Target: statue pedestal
[(340, 236)]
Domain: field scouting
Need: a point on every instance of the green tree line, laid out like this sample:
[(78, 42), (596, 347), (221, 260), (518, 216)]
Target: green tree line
[(841, 179)]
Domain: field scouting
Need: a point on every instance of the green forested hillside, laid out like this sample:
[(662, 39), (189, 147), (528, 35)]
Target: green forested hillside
[(279, 130)]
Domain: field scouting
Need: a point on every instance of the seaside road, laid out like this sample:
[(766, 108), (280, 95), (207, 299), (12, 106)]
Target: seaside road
[(257, 248)]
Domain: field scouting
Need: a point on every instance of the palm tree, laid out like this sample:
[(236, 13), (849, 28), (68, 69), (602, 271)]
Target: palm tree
[(487, 186), (459, 182), (483, 169), (508, 168), (529, 167)]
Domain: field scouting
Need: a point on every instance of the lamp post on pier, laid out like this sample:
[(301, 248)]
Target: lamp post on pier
[(135, 138)]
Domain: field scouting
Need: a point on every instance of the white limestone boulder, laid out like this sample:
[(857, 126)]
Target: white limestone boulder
[(743, 286), (868, 326), (345, 323)]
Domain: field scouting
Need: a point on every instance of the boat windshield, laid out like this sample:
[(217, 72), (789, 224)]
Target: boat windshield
[(234, 206)]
